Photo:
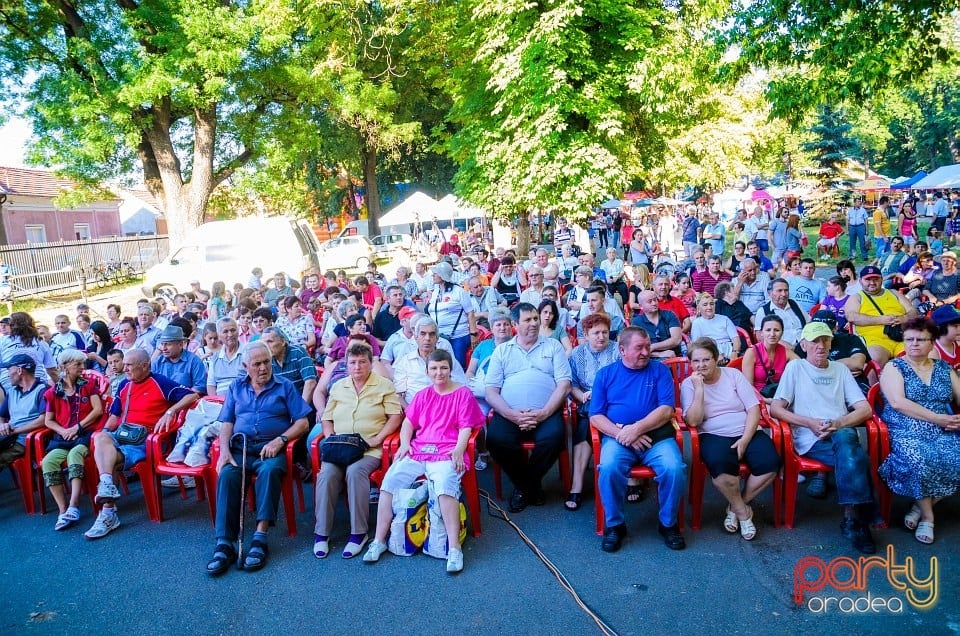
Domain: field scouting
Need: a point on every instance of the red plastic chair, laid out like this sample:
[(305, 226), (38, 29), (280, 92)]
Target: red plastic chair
[(882, 448), (563, 460), (639, 471), (794, 465), (747, 336), (680, 369), (468, 481), (376, 477), (205, 476), (699, 473), (27, 474), (286, 488)]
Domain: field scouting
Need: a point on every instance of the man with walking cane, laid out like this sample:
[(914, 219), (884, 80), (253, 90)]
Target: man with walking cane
[(261, 415)]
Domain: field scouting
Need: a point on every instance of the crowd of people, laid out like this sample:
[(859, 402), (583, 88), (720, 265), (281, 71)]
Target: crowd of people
[(494, 341)]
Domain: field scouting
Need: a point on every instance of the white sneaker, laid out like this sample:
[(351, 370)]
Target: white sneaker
[(173, 482), (374, 552), (454, 561), (104, 525), (107, 493)]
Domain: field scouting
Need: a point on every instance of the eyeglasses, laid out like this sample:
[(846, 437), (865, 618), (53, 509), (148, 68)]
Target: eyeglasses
[(916, 340)]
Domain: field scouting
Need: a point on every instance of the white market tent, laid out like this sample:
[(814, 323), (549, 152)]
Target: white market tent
[(454, 208), (416, 207), (941, 178)]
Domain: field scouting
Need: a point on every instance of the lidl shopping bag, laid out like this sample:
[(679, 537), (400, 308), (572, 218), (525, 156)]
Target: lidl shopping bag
[(409, 527), (436, 542)]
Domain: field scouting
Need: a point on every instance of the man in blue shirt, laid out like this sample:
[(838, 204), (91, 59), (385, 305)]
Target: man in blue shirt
[(690, 231), (270, 413), (177, 363), (632, 406), (941, 210), (23, 409)]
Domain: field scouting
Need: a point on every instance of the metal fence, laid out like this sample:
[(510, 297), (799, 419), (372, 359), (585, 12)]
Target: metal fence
[(38, 268)]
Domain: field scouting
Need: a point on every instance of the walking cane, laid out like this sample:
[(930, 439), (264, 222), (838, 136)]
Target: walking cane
[(243, 494)]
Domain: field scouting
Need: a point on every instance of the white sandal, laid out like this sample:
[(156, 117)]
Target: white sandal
[(730, 522), (747, 528), (912, 518), (67, 519), (924, 533)]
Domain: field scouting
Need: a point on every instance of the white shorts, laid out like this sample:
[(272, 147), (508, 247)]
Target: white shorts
[(401, 474), (825, 242)]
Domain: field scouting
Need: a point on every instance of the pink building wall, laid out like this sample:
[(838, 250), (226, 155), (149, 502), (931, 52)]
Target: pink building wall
[(103, 221)]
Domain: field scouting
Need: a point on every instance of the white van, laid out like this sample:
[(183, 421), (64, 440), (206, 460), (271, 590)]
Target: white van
[(228, 250)]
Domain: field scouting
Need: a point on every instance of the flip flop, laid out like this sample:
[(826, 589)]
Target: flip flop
[(730, 522), (912, 518), (924, 533), (573, 502)]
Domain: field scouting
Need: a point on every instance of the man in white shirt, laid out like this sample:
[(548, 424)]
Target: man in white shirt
[(410, 367), (782, 305), (822, 403)]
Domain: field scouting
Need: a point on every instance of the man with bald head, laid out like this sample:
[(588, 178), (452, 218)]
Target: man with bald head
[(662, 326), (144, 400)]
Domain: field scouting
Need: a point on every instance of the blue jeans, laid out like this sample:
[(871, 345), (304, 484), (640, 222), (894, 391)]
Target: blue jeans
[(664, 458), (460, 348), (858, 234), (882, 245), (614, 239), (850, 463), (269, 473)]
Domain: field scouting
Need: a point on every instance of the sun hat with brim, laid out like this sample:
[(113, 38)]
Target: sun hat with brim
[(444, 271), (814, 330), (171, 333), (948, 255), (945, 315)]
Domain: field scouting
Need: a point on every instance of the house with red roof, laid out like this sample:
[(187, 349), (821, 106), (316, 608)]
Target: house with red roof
[(29, 214)]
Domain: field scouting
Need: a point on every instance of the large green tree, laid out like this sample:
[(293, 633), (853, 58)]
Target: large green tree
[(186, 90), (561, 102), (831, 142), (837, 52)]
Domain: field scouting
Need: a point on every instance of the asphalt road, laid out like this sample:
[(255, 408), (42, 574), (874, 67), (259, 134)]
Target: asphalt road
[(148, 577)]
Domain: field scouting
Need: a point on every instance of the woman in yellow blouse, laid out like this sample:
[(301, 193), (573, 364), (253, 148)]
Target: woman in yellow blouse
[(366, 404)]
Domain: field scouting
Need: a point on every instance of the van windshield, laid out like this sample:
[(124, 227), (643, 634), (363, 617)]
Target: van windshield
[(219, 253)]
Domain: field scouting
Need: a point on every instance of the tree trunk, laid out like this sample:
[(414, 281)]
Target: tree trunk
[(523, 234), (373, 191), (183, 204)]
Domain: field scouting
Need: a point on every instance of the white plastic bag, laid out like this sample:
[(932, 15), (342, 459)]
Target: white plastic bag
[(436, 544), (198, 419), (409, 526)]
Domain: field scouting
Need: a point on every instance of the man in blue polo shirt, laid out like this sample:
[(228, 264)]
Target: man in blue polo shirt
[(22, 409), (177, 363), (632, 406), (270, 412)]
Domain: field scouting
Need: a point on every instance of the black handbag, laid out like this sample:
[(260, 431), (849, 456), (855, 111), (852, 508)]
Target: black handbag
[(131, 434), (894, 332), (343, 450)]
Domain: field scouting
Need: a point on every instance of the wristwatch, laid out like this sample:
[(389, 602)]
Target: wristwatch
[(284, 439)]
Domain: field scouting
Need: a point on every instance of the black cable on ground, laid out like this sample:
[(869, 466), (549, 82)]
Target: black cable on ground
[(494, 510)]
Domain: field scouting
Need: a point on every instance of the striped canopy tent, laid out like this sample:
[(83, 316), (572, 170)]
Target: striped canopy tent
[(875, 183)]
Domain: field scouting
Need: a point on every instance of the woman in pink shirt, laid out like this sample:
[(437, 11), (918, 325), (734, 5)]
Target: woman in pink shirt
[(442, 416)]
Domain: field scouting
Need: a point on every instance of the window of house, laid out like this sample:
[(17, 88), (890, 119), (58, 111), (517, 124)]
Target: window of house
[(81, 231), (36, 233)]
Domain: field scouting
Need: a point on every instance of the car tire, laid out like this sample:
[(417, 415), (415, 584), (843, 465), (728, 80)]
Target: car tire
[(362, 263)]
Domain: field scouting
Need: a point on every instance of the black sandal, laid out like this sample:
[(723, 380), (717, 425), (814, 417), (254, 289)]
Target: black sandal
[(223, 557), (634, 493), (573, 501), (256, 556)]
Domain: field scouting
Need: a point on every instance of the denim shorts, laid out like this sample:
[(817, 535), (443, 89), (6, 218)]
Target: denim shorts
[(131, 453)]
